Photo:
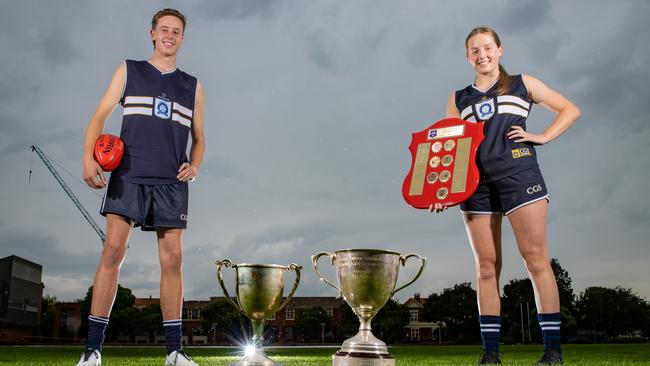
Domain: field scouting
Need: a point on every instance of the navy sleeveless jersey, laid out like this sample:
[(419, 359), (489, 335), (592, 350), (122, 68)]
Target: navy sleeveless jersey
[(158, 114), (498, 156)]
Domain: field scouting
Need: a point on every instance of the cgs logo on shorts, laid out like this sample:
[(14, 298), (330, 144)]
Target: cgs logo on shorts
[(534, 189), (183, 217), (519, 153)]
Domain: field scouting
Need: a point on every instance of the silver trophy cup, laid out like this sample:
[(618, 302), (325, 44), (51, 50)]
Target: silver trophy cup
[(259, 295), (367, 279)]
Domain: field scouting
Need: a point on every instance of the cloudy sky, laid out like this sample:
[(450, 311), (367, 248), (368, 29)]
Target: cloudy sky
[(310, 106)]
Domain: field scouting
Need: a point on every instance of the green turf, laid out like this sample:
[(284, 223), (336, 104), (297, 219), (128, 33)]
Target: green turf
[(592, 355)]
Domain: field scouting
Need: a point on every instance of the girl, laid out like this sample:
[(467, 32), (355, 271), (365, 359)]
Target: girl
[(511, 185)]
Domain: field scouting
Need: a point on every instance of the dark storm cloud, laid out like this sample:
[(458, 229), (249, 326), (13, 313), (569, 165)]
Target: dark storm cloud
[(321, 54), (523, 17), (312, 234), (332, 52), (56, 50), (309, 110), (39, 247), (421, 52), (238, 10)]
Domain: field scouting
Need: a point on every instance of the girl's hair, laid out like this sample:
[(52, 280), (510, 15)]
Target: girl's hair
[(164, 12), (505, 80)]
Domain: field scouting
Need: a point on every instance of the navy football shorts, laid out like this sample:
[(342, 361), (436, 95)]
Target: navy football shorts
[(507, 194), (149, 206)]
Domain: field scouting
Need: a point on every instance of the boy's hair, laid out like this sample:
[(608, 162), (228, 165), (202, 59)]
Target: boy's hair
[(168, 11)]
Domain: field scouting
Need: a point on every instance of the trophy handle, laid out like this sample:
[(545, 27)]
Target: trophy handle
[(403, 259), (297, 268), (228, 264), (314, 261)]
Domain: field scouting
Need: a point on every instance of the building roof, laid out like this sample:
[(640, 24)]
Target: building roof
[(142, 302), (15, 258), (304, 301)]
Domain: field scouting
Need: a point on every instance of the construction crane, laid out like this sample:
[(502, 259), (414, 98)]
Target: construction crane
[(67, 190)]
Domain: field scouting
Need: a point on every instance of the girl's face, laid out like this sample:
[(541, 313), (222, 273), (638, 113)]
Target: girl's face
[(483, 53)]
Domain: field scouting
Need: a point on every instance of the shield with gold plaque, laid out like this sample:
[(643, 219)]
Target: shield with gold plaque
[(443, 168)]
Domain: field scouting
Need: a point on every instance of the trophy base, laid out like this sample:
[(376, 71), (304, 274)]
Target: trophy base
[(341, 358), (267, 362), (256, 359)]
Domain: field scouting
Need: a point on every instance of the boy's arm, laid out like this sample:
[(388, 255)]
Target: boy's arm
[(93, 174), (189, 171)]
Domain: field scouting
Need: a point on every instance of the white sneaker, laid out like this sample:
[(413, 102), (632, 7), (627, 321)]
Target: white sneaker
[(179, 358), (90, 357)]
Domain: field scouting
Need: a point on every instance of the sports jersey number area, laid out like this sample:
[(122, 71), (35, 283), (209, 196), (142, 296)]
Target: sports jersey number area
[(443, 168)]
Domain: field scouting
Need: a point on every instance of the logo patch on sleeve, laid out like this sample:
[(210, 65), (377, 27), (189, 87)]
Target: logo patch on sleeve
[(521, 152)]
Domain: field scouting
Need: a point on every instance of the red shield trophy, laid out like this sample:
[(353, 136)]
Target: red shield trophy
[(444, 168)]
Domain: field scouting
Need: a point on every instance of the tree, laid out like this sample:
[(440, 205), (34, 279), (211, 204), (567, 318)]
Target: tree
[(517, 296), (612, 312), (431, 311), (567, 297), (390, 321), (220, 316), (48, 313), (519, 301), (349, 320), (308, 322), (148, 320), (122, 313), (456, 307)]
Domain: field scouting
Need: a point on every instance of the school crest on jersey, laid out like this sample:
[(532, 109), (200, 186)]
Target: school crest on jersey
[(485, 109), (163, 108)]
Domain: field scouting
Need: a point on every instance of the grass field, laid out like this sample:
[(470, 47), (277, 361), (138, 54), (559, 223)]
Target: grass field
[(592, 355)]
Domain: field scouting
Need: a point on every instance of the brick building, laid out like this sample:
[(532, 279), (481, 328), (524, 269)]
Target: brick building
[(417, 330), (282, 326), (281, 329), (67, 321)]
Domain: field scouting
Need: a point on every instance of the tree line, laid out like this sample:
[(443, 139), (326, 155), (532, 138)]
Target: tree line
[(598, 314)]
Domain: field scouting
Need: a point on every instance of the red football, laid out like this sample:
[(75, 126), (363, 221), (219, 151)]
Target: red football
[(108, 151)]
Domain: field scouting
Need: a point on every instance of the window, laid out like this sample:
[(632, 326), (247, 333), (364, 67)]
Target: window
[(271, 317), (186, 313), (329, 311), (195, 313), (415, 334), (414, 316), (67, 315), (291, 313)]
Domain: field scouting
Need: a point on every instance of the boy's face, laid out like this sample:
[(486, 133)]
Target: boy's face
[(168, 35)]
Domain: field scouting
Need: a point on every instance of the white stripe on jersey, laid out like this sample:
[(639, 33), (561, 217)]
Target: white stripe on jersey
[(137, 110), (186, 111), (513, 99), (466, 112), (180, 119), (511, 109), (138, 100)]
